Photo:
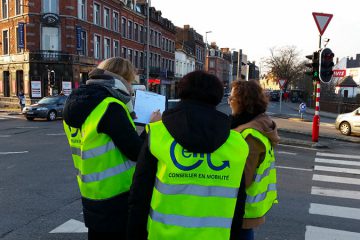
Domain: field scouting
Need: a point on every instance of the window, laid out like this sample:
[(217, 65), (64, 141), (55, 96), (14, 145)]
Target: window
[(50, 38), (19, 7), (5, 41), (123, 52), (130, 55), (141, 33), (130, 29), (107, 18), (136, 59), (97, 45), (4, 7), (107, 48), (211, 63), (83, 37), (82, 9), (115, 21), (136, 32), (116, 49), (96, 14), (50, 6), (17, 41), (123, 27), (142, 60)]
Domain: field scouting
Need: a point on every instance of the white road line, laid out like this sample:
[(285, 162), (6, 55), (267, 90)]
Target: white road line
[(336, 169), (286, 153), (346, 180), (334, 211), (316, 233), (335, 193), (26, 127), (292, 168), (55, 134), (3, 118), (337, 155), (339, 162), (284, 145), (71, 226), (7, 153), (4, 136)]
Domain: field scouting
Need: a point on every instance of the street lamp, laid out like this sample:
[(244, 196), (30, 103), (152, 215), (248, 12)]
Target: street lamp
[(206, 47), (148, 44)]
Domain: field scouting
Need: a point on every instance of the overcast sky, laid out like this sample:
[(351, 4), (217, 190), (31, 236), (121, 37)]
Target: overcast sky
[(258, 25)]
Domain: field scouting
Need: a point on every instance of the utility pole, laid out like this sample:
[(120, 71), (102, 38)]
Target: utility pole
[(148, 44)]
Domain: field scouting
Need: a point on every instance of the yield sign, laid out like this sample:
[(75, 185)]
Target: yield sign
[(322, 20), (282, 83)]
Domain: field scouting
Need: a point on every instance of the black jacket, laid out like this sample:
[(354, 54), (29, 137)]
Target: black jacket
[(108, 215), (196, 127)]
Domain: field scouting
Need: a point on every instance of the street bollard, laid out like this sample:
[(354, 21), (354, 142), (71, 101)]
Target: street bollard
[(315, 128)]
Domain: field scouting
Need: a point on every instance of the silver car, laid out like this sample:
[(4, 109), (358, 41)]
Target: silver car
[(348, 123)]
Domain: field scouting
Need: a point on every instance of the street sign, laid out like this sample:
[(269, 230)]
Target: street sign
[(339, 73), (322, 20), (302, 107), (282, 83)]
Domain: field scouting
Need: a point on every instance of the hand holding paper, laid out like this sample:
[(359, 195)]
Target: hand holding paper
[(146, 103)]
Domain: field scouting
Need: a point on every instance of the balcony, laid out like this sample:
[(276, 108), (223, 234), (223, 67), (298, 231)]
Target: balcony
[(51, 56)]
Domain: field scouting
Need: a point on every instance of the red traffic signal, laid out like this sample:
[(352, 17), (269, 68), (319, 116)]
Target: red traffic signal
[(326, 65)]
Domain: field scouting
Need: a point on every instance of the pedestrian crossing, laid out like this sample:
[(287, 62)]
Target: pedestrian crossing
[(5, 116), (342, 171)]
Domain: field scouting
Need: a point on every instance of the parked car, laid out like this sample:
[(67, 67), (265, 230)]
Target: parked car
[(348, 123), (275, 95), (48, 107)]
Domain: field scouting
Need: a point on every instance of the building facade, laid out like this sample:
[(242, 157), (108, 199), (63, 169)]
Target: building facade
[(66, 39)]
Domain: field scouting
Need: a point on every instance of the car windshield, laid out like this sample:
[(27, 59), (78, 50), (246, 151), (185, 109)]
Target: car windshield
[(48, 101)]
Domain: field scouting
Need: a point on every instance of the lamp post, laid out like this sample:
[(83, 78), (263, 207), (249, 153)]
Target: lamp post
[(148, 44), (206, 47)]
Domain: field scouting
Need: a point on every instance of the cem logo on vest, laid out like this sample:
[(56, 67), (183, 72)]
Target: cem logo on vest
[(187, 154), (74, 134)]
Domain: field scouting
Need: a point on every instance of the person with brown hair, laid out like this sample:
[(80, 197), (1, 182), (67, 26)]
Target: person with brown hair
[(248, 104), (98, 122)]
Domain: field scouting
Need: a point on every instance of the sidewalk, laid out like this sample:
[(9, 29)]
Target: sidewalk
[(295, 106)]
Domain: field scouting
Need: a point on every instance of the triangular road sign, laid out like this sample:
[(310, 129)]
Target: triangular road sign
[(322, 20), (282, 83)]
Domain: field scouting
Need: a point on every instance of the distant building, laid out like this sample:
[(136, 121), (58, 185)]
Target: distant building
[(347, 87)]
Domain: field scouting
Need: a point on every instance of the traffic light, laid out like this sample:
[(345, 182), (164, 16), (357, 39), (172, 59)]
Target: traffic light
[(313, 65), (326, 65), (52, 78)]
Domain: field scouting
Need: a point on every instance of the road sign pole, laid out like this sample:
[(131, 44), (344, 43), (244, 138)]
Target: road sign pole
[(281, 91), (316, 119)]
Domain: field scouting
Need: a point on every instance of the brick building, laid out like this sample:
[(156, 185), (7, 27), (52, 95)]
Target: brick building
[(67, 40)]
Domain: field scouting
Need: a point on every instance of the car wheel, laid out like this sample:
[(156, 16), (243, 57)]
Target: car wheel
[(51, 115), (345, 128), (30, 118)]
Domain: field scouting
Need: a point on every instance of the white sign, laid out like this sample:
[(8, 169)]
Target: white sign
[(36, 89), (66, 88), (282, 83), (322, 20), (146, 103)]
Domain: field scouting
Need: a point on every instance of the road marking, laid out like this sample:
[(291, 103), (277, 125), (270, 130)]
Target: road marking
[(4, 136), (292, 168), (316, 233), (55, 134), (26, 127), (71, 226), (337, 155), (325, 178), (3, 118), (334, 211), (336, 169), (284, 145), (286, 153), (339, 162), (7, 153), (335, 193)]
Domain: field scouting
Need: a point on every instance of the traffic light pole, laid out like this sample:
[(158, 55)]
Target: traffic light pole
[(316, 119)]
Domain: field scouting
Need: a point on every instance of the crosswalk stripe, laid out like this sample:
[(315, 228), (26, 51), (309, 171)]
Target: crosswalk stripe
[(71, 226), (335, 193), (337, 155), (339, 162), (286, 153), (334, 211), (336, 169), (316, 233), (292, 168), (334, 179)]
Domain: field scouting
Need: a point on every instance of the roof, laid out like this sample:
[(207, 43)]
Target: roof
[(347, 81)]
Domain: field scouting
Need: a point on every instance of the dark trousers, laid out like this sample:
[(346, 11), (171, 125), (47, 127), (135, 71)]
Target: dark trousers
[(93, 235), (247, 234)]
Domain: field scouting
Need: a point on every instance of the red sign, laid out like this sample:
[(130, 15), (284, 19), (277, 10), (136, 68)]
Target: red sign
[(339, 73), (282, 83), (154, 80), (322, 20)]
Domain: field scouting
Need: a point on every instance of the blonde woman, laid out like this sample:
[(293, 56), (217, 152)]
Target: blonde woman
[(98, 121)]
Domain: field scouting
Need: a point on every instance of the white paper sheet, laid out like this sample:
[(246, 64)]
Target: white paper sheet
[(146, 103)]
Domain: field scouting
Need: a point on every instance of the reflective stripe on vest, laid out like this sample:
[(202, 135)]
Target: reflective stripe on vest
[(195, 194), (104, 172), (262, 193)]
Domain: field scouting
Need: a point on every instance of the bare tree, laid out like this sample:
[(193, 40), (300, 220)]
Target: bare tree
[(284, 63)]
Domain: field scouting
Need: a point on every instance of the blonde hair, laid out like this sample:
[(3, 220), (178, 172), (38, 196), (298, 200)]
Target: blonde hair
[(119, 66)]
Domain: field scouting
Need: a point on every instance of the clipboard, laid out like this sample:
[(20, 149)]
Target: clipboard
[(145, 104)]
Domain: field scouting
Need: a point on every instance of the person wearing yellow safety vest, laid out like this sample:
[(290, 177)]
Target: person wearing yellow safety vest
[(248, 103), (188, 183), (98, 122)]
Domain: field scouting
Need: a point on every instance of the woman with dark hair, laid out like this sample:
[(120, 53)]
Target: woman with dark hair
[(248, 104), (188, 180)]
